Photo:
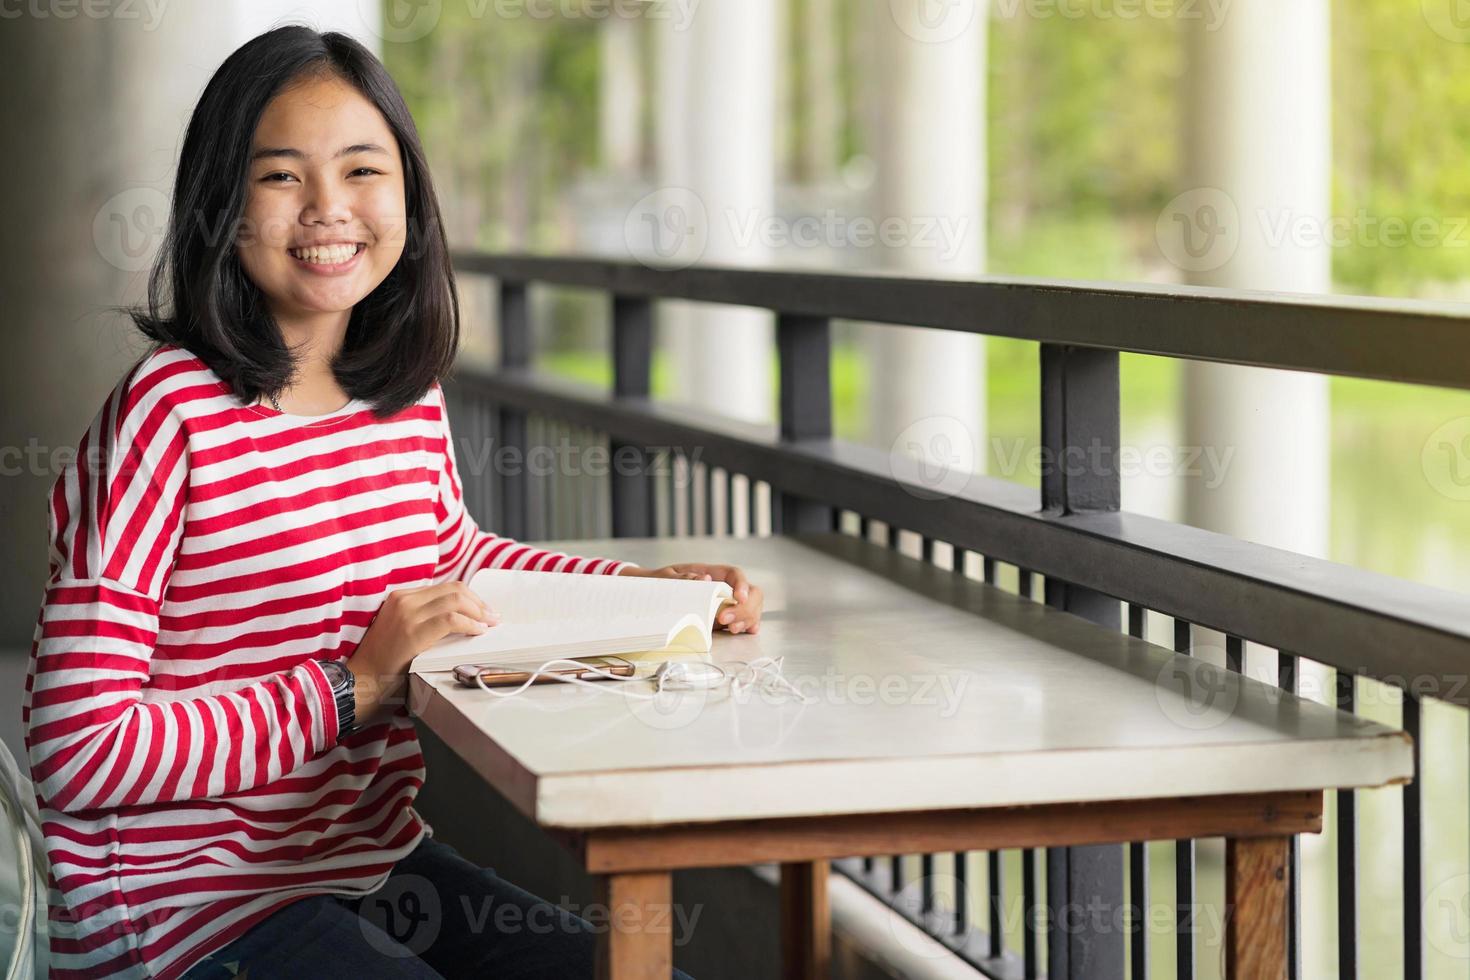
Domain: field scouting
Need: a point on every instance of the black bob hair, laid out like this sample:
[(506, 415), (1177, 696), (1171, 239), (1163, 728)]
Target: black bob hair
[(401, 338)]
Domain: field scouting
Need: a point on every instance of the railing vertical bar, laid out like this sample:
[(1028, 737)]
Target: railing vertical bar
[(1030, 937), (552, 489), (703, 493), (1184, 859), (961, 892), (707, 491), (492, 482), (926, 885), (536, 484), (633, 494), (690, 497), (1347, 853), (1138, 897), (676, 494), (569, 486), (730, 501), (1287, 678), (752, 506), (804, 349), (591, 488), (1413, 847), (996, 912), (961, 858), (993, 858), (515, 352)]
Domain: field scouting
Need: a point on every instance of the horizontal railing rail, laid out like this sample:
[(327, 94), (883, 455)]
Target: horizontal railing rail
[(1411, 341)]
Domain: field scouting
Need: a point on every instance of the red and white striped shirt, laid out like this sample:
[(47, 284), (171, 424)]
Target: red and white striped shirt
[(182, 737)]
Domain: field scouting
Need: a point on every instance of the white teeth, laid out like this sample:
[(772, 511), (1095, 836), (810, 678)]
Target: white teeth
[(325, 254)]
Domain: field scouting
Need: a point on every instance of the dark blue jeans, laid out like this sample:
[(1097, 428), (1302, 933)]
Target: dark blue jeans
[(437, 915)]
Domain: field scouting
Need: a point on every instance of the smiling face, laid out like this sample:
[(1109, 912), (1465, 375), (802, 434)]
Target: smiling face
[(325, 211)]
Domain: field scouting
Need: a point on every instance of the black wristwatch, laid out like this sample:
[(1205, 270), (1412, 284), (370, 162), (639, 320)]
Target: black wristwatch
[(344, 692)]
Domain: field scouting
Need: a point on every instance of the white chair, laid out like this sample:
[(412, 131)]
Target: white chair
[(24, 951)]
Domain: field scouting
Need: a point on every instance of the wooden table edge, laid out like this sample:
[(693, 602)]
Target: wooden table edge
[(637, 864), (786, 839)]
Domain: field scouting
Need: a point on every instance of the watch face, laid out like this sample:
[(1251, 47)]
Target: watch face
[(336, 673)]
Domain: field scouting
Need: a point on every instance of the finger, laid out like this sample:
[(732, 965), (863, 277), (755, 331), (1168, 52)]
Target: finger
[(476, 608), (457, 622), (464, 602), (441, 602), (730, 613), (434, 596), (473, 598), (739, 584), (429, 631)]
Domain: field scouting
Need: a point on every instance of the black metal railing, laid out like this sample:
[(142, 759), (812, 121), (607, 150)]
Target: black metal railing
[(682, 472)]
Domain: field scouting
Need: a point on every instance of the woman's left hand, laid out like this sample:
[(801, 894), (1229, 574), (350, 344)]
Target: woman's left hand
[(743, 617)]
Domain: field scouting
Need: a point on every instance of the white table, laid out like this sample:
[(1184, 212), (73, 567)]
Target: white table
[(950, 716)]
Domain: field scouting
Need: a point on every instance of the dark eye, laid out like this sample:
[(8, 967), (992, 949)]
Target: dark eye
[(364, 170), (271, 178)]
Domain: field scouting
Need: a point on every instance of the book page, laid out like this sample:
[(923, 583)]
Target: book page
[(530, 597), (545, 615)]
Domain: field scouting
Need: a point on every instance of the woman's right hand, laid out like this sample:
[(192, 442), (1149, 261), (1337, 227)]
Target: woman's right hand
[(407, 624)]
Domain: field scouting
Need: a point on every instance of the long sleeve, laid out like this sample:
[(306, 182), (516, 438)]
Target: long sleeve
[(465, 549), (116, 521)]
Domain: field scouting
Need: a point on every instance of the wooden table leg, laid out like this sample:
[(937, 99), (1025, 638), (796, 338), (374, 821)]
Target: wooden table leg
[(806, 921), (638, 943), (1256, 907)]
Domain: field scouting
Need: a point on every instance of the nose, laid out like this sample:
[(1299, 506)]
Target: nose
[(327, 204)]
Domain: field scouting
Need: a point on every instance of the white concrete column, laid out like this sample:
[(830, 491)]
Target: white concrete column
[(99, 108), (1257, 136), (620, 96), (716, 132), (1257, 141), (928, 386)]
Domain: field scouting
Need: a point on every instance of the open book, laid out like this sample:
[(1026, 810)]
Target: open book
[(546, 615)]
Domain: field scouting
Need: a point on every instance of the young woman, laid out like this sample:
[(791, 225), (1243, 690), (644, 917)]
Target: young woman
[(263, 526)]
